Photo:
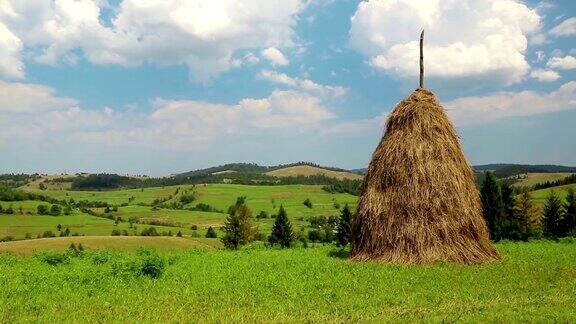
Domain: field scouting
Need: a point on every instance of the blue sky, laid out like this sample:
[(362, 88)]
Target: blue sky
[(158, 87)]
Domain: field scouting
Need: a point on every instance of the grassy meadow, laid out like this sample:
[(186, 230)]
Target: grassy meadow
[(135, 204), (533, 282)]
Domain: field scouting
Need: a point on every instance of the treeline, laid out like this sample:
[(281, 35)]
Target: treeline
[(14, 180), (517, 217), (11, 194), (561, 182), (113, 181)]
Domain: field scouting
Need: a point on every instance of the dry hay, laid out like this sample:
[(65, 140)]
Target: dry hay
[(419, 201)]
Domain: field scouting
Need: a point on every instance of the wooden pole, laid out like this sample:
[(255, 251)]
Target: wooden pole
[(422, 60)]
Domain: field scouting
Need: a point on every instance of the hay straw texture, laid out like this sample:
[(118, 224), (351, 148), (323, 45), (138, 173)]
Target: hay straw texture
[(419, 202)]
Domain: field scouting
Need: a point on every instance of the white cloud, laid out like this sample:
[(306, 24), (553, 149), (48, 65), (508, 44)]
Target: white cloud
[(563, 63), (11, 65), (477, 38), (303, 84), (34, 112), (275, 57), (483, 109), (203, 35), (31, 98), (565, 28), (545, 75)]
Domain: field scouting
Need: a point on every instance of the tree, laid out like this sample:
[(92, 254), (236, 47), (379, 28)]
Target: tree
[(211, 233), (55, 210), (343, 232), (569, 221), (238, 229), (493, 206), (307, 203), (282, 230), (553, 213), (59, 227), (528, 216)]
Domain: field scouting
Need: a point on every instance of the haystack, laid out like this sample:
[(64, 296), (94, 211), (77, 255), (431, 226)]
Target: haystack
[(419, 202)]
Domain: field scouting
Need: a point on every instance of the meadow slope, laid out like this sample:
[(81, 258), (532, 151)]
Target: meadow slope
[(534, 282)]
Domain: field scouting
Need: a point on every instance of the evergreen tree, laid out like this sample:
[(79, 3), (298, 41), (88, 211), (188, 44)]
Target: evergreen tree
[(493, 206), (569, 222), (344, 233), (553, 216), (238, 229), (528, 216), (211, 233), (282, 230)]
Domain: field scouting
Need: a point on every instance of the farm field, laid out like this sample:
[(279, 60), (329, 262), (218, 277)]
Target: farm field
[(540, 195), (118, 243), (534, 282), (135, 204), (534, 178), (307, 170)]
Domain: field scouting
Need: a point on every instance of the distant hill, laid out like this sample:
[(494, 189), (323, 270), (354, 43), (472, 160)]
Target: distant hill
[(307, 170), (503, 170)]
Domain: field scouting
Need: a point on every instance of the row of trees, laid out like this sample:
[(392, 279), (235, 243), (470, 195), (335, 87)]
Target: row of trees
[(518, 217), (240, 230)]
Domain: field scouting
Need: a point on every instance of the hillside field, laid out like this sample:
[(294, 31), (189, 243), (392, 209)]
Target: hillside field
[(540, 195), (307, 170), (530, 179), (533, 282), (137, 205)]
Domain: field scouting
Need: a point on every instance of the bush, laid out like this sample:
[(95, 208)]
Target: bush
[(307, 203), (116, 232), (48, 234), (55, 210), (150, 231), (53, 258), (211, 233), (42, 210), (262, 215), (194, 227), (101, 257), (151, 264)]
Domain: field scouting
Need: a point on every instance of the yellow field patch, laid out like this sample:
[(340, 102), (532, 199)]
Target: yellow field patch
[(27, 247)]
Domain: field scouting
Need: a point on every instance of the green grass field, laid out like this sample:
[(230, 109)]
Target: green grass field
[(535, 178), (540, 195), (221, 196), (534, 282)]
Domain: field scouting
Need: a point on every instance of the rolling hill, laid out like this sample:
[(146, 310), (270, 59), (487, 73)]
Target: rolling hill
[(308, 170)]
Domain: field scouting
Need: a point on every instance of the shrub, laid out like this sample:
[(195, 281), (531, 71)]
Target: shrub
[(7, 238), (116, 232), (315, 236), (194, 227), (53, 258), (55, 210), (186, 199), (42, 210), (151, 264), (150, 231), (48, 234), (179, 234), (307, 203), (262, 215), (101, 257), (211, 233)]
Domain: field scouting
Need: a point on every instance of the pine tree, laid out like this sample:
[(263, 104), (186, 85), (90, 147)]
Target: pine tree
[(553, 213), (528, 216), (493, 206), (238, 228), (343, 233), (211, 233), (511, 227), (282, 230), (569, 222)]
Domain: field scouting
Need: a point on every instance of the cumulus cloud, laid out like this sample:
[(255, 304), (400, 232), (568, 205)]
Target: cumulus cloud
[(465, 38), (303, 84), (563, 63), (545, 75), (203, 35), (178, 124), (11, 65), (31, 98), (275, 57), (565, 28), (482, 109)]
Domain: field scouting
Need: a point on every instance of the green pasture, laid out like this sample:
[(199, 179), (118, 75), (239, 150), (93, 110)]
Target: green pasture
[(533, 282), (541, 195)]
